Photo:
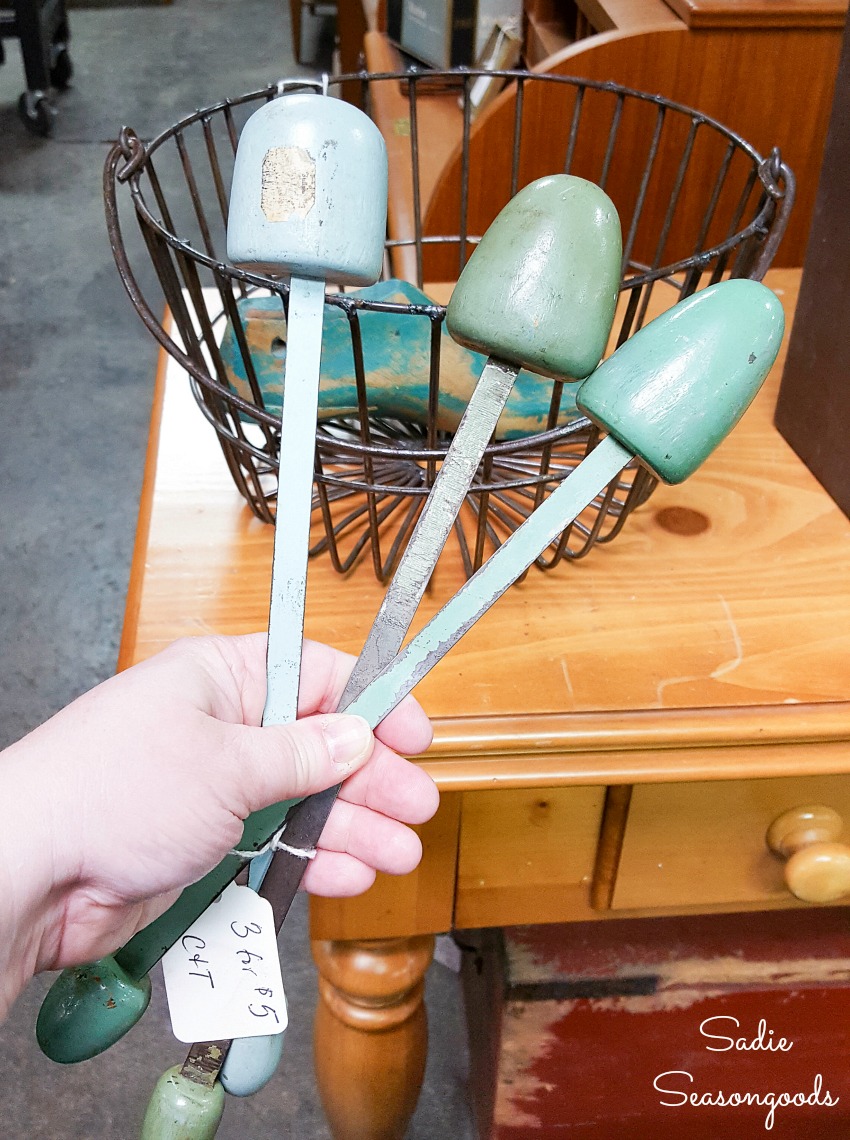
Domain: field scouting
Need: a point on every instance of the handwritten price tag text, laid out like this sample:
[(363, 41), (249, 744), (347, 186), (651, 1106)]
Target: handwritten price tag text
[(223, 977)]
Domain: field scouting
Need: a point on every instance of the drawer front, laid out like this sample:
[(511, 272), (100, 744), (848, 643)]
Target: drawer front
[(704, 844), (526, 856)]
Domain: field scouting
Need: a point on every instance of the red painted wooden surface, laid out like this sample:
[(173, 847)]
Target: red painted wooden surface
[(572, 1055)]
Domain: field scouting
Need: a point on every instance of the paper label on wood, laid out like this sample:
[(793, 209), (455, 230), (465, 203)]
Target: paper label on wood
[(288, 183), (222, 978)]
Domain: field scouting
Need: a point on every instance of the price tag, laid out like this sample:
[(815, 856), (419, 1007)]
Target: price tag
[(222, 978)]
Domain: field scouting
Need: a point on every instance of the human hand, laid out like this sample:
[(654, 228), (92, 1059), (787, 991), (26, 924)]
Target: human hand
[(141, 786)]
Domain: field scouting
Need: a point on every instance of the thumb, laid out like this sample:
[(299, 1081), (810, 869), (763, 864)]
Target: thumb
[(288, 761)]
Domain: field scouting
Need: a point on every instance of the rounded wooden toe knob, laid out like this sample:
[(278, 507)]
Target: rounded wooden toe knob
[(818, 867)]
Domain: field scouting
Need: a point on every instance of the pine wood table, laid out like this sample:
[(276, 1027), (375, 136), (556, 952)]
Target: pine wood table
[(614, 738)]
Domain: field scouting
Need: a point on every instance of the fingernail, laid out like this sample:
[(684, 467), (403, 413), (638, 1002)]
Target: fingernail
[(349, 740)]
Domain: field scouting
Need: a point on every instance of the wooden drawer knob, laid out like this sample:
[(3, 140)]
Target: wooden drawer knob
[(818, 867)]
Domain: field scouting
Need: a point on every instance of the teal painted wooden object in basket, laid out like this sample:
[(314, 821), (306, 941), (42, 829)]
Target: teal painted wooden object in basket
[(396, 357)]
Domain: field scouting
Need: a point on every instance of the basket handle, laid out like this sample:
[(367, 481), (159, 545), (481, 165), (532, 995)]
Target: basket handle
[(779, 182)]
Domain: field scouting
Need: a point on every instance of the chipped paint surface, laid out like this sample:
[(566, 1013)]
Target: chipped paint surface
[(586, 1064), (528, 1039), (581, 1068), (396, 356), (288, 185)]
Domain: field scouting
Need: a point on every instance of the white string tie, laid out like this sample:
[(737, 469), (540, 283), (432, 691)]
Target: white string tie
[(276, 844)]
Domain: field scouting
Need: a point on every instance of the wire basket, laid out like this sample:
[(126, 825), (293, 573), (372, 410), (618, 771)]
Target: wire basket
[(725, 208)]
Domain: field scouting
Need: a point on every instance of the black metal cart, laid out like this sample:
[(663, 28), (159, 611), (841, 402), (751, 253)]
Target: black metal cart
[(42, 28)]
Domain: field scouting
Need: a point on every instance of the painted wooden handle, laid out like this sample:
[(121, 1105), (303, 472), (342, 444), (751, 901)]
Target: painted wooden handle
[(309, 192), (541, 288), (817, 868), (180, 1109), (676, 388)]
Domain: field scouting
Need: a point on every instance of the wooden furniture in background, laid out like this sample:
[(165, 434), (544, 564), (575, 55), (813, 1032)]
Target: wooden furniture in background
[(737, 67), (814, 414), (613, 739)]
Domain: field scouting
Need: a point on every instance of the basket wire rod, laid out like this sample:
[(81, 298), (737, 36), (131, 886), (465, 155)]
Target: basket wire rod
[(232, 133), (708, 217), (193, 287), (463, 545), (719, 183), (397, 547), (463, 229), (340, 526), (511, 514), (519, 104), (238, 328), (612, 138), (204, 400), (358, 546), (745, 257), (590, 537), (161, 256), (567, 434), (159, 197), (518, 498), (345, 483), (329, 541), (412, 92), (629, 315), (484, 512), (642, 189), (215, 168), (678, 182), (483, 503), (641, 488), (574, 126), (363, 409), (232, 313), (692, 280), (222, 422), (546, 451), (433, 397), (732, 228), (492, 517), (406, 472), (194, 195), (526, 476)]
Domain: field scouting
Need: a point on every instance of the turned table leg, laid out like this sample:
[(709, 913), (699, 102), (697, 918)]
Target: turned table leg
[(371, 1035)]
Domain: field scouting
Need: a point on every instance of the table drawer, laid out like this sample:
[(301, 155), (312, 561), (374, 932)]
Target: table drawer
[(526, 855), (704, 844)]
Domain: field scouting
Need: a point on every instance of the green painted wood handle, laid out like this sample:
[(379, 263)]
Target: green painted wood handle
[(671, 409), (541, 289), (180, 1109), (77, 1020)]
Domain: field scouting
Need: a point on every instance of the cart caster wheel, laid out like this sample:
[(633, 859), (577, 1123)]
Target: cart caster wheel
[(37, 113), (62, 69)]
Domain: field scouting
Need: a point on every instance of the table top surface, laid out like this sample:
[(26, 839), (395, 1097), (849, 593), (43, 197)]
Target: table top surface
[(719, 617)]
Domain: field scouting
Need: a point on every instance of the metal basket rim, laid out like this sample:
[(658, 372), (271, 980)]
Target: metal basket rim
[(135, 152)]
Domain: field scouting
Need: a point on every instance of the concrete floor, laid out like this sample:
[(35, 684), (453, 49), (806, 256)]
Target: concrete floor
[(76, 371)]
